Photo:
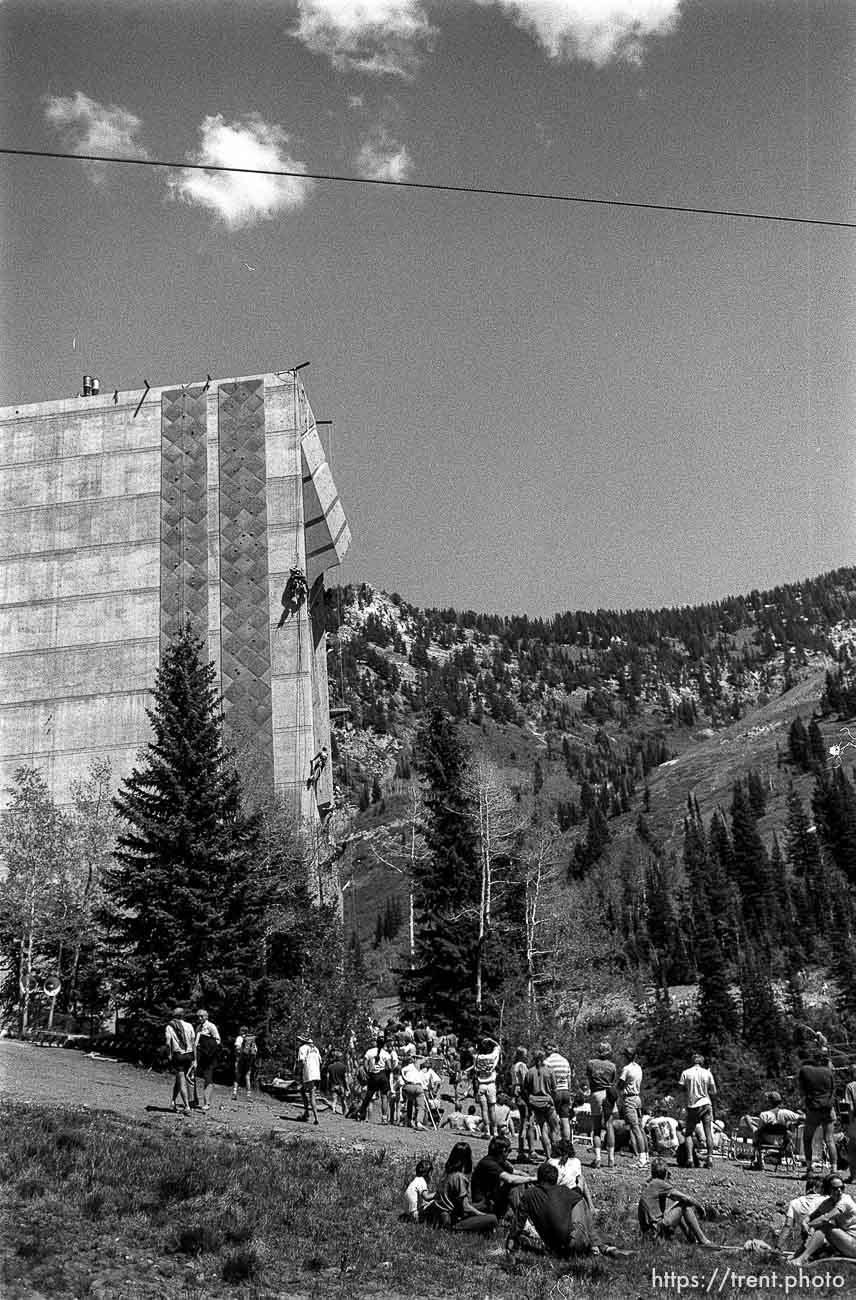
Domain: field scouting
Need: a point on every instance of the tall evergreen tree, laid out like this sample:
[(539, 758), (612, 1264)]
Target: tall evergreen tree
[(182, 913), (751, 869), (446, 882)]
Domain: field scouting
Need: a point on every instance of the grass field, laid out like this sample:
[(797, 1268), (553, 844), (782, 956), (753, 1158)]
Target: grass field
[(97, 1204)]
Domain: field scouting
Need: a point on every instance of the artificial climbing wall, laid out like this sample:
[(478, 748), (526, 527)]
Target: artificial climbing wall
[(124, 514)]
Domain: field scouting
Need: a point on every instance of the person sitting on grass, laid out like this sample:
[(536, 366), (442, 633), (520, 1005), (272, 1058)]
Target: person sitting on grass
[(452, 1206), (797, 1213), (455, 1120), (832, 1226), (493, 1178), (417, 1194), (662, 1208), (549, 1219), (570, 1169), (473, 1123)]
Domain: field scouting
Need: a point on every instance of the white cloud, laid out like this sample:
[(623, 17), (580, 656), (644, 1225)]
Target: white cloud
[(381, 158), (89, 127), (237, 198), (384, 37), (594, 31)]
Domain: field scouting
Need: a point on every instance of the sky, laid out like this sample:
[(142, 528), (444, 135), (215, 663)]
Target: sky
[(537, 405)]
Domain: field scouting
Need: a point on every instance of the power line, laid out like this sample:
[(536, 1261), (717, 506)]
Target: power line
[(437, 186)]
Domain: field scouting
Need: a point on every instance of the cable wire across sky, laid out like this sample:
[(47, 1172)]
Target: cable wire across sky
[(437, 186)]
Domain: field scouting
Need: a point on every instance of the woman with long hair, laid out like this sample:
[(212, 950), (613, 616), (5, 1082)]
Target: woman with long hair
[(452, 1207)]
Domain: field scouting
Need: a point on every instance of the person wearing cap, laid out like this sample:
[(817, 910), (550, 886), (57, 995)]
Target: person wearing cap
[(180, 1039), (560, 1068), (308, 1070), (602, 1075), (494, 1177), (832, 1224), (775, 1117)]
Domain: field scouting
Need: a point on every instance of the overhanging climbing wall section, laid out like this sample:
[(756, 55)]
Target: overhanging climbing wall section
[(244, 598)]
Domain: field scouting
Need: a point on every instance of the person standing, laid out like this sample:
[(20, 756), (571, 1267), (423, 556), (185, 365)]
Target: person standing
[(519, 1070), (484, 1081), (560, 1068), (602, 1075), (850, 1103), (539, 1088), (817, 1085), (246, 1055), (379, 1064), (700, 1087), (206, 1051), (309, 1070), (180, 1039), (630, 1095), (414, 1095)]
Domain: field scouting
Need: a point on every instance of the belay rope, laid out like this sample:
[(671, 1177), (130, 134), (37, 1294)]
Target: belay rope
[(294, 595)]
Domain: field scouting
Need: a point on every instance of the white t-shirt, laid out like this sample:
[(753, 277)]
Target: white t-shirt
[(181, 1039), (665, 1128), (411, 1196), (802, 1206), (309, 1059), (699, 1085), (569, 1173), (631, 1079)]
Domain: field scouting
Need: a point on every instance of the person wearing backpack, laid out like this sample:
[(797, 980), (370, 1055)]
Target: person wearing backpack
[(246, 1054), (179, 1045)]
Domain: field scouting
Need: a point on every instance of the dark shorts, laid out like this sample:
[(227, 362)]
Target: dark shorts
[(181, 1062), (541, 1112), (563, 1104), (818, 1117), (696, 1114), (378, 1083), (205, 1071)]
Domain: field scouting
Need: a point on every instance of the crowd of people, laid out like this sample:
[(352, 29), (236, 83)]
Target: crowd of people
[(415, 1077)]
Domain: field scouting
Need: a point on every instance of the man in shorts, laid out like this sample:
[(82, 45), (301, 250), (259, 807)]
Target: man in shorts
[(560, 1068), (817, 1085), (630, 1102), (700, 1087), (602, 1075), (519, 1071), (662, 1209), (485, 1067)]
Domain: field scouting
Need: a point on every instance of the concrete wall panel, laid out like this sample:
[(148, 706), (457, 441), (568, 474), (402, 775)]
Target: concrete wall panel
[(80, 478), (114, 521), (81, 620), (70, 575)]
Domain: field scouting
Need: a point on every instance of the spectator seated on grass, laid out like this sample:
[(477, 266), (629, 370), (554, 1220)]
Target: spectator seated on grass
[(832, 1226), (452, 1206), (797, 1213), (570, 1169), (493, 1178), (551, 1220), (418, 1195), (455, 1120), (662, 1209)]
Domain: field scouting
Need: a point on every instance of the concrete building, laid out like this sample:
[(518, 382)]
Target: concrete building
[(122, 515)]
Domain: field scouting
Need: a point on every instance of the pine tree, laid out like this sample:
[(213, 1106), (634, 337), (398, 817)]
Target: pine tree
[(182, 912), (446, 882), (808, 881), (751, 868)]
